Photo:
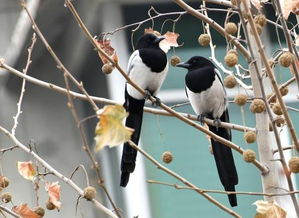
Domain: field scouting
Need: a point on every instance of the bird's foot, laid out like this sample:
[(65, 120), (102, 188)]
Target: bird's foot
[(217, 122), (201, 118), (156, 102), (148, 95)]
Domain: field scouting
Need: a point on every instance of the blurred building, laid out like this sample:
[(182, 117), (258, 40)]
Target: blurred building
[(47, 123)]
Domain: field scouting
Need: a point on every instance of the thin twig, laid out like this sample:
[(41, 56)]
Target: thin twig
[(222, 192), (285, 84), (158, 15), (288, 38), (8, 149), (9, 211), (86, 146), (55, 172), (19, 104), (183, 180), (85, 173), (76, 95), (55, 57), (218, 63), (215, 25), (284, 148)]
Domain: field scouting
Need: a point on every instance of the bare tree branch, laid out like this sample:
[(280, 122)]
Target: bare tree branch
[(54, 171), (222, 192), (183, 180), (19, 104)]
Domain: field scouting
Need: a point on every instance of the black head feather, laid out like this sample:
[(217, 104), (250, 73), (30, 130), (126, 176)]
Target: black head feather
[(148, 40), (196, 62)]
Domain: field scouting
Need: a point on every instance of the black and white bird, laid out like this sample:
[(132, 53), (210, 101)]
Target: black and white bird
[(148, 68), (207, 96)]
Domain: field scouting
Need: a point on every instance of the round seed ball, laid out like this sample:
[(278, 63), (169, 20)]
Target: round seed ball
[(89, 193), (167, 157), (39, 211), (204, 39), (240, 99), (234, 2), (6, 197), (231, 59), (273, 100), (279, 121), (286, 59), (276, 108), (260, 19), (249, 155), (231, 28), (230, 81), (107, 68), (250, 137), (284, 91), (257, 106), (4, 182), (50, 205), (174, 60), (294, 164)]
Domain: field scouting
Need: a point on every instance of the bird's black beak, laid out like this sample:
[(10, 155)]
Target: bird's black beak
[(183, 65), (159, 39)]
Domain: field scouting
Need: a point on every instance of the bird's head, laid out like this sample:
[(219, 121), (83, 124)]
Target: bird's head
[(149, 40), (195, 62)]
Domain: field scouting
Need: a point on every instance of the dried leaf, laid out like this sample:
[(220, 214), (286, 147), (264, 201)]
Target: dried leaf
[(150, 30), (110, 129), (53, 190), (105, 45), (24, 211), (257, 4), (171, 38), (269, 209), (289, 6), (27, 170)]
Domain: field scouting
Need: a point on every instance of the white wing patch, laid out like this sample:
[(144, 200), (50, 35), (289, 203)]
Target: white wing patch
[(143, 77)]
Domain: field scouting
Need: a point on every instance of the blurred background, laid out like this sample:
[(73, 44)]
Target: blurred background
[(47, 123)]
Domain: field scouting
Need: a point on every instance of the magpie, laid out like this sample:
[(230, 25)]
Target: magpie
[(148, 68), (207, 96)]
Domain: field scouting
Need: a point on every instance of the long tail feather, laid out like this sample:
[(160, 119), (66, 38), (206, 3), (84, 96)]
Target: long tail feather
[(134, 120), (225, 161)]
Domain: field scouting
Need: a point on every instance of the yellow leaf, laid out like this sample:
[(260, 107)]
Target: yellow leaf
[(24, 211), (27, 170), (53, 190), (110, 129), (267, 209)]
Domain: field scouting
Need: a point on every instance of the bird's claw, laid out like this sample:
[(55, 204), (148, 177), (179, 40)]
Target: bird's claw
[(217, 122), (157, 101), (201, 118), (148, 95)]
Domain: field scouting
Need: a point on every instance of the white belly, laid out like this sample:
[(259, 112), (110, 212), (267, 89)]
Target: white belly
[(211, 101)]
